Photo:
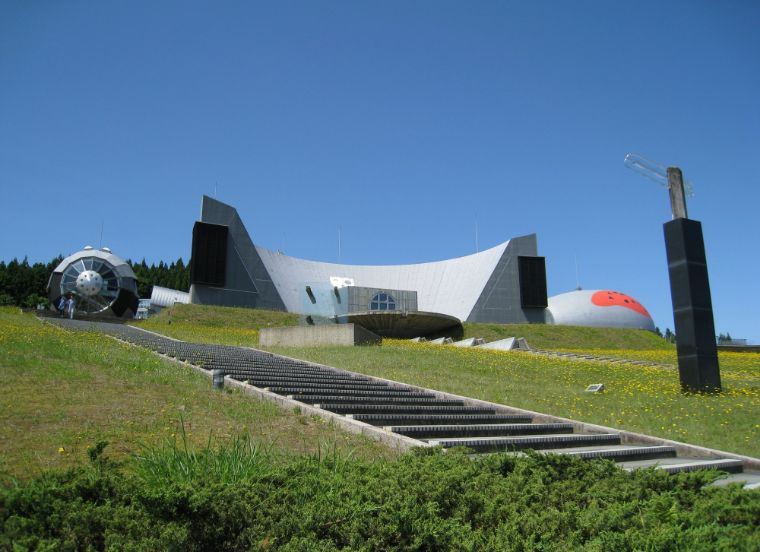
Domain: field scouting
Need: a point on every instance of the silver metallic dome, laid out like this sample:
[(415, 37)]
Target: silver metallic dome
[(99, 281), (89, 283)]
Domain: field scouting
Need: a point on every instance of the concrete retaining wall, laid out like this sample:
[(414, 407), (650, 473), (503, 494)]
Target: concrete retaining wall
[(328, 334)]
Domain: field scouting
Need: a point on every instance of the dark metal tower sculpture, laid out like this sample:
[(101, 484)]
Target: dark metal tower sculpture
[(698, 366)]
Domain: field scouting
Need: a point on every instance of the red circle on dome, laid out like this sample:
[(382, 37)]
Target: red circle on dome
[(617, 299)]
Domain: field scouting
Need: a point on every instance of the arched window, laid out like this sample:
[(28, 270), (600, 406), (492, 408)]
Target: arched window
[(382, 301)]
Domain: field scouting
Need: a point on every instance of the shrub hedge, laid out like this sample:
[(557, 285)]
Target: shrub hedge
[(426, 500)]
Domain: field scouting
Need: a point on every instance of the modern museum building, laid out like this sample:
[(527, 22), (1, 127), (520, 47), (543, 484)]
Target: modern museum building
[(504, 284)]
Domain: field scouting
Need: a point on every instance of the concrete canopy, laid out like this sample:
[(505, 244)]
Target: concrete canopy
[(404, 325)]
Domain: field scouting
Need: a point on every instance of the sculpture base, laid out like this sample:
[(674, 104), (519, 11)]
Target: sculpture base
[(698, 366)]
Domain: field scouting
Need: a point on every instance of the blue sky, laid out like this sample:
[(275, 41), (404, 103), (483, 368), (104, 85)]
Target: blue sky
[(403, 124)]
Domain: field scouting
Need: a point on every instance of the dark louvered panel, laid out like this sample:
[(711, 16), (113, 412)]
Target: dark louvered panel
[(532, 282), (209, 256)]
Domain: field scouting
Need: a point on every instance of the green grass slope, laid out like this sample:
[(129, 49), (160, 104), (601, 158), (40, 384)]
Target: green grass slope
[(644, 399), (545, 336), (240, 326), (64, 391), (212, 324)]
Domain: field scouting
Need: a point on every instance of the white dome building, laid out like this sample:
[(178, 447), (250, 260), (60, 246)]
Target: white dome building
[(598, 308)]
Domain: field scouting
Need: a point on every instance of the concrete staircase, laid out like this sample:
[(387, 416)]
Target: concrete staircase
[(427, 417)]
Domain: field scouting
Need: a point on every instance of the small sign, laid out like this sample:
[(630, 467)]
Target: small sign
[(341, 282), (595, 388)]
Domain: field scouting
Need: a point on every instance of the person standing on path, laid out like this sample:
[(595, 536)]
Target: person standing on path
[(70, 306)]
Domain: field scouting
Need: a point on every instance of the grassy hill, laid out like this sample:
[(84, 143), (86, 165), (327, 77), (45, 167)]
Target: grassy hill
[(645, 399), (240, 326), (272, 479), (211, 324), (62, 392), (545, 336), (282, 481)]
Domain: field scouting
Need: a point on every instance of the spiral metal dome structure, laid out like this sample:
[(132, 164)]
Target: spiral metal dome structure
[(100, 282)]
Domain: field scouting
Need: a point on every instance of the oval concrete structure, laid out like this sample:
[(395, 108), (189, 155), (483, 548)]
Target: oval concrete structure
[(599, 308)]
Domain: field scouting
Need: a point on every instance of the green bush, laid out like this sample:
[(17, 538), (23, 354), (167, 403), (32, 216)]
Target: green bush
[(34, 299), (424, 501)]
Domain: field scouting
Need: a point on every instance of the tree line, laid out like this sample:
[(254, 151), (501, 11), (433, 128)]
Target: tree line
[(668, 336), (25, 285), (175, 275)]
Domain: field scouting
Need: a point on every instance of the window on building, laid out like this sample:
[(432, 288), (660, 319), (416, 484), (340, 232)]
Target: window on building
[(310, 293), (382, 301)]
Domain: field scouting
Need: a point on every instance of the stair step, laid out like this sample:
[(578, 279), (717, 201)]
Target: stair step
[(683, 464), (259, 369), (403, 409), (301, 382), (276, 369), (363, 400), (341, 391), (313, 383), (618, 453), (479, 430), (536, 442), (289, 377), (747, 479), (441, 419)]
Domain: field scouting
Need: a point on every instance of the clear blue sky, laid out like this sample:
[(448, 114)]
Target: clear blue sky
[(402, 123)]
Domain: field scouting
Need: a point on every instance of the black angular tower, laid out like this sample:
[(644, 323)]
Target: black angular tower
[(698, 366)]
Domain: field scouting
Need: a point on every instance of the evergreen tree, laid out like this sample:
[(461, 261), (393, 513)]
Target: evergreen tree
[(174, 275), (25, 284)]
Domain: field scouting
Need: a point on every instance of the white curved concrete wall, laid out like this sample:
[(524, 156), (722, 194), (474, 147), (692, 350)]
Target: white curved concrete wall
[(451, 287), (484, 287)]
